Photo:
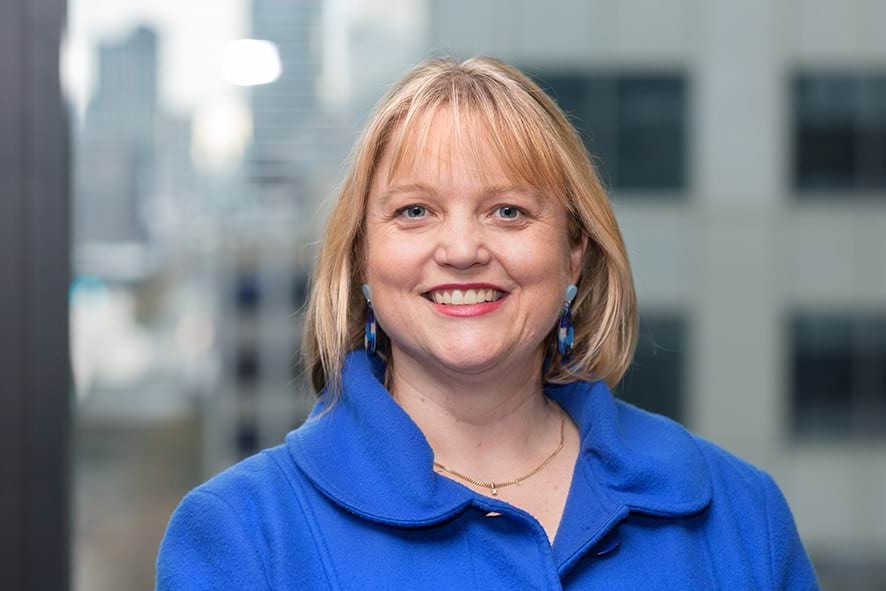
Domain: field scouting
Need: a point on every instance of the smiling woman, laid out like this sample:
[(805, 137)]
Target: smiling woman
[(485, 161), (471, 307)]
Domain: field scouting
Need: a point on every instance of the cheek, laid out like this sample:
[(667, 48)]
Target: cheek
[(535, 263), (390, 264), (540, 268)]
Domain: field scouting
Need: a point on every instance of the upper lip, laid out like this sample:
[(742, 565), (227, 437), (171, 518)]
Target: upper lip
[(466, 286)]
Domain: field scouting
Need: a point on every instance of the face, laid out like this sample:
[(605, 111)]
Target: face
[(445, 223)]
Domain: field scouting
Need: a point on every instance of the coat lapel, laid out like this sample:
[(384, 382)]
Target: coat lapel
[(368, 456), (631, 461)]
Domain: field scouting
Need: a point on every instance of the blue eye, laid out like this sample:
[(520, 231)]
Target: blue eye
[(511, 210), (410, 209)]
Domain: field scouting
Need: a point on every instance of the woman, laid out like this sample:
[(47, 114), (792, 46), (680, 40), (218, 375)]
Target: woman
[(471, 308)]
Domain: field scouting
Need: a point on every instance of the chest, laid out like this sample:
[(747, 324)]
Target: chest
[(544, 494), (545, 499)]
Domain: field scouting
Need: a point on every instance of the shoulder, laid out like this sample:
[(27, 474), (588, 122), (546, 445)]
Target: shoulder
[(261, 490), (759, 516), (747, 507), (724, 467), (225, 532), (687, 458), (249, 482)]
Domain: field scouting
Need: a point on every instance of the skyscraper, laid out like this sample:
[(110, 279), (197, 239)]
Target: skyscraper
[(114, 155)]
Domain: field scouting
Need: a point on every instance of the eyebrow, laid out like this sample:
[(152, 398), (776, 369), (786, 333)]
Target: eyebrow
[(410, 188), (487, 191)]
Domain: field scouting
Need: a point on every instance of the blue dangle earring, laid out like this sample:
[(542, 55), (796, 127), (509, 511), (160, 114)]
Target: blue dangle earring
[(369, 332), (565, 335)]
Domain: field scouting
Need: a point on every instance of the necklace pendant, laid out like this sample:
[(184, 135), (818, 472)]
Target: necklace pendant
[(494, 490)]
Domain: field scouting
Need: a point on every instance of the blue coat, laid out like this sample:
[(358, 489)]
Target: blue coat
[(351, 502)]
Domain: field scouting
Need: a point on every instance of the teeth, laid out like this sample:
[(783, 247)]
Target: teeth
[(471, 296)]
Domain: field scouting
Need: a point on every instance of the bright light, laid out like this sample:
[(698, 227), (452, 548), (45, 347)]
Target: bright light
[(219, 134), (249, 62)]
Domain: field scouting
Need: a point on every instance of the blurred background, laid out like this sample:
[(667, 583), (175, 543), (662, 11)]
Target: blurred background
[(744, 145)]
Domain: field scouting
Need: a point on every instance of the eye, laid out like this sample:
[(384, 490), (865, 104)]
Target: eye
[(510, 212), (413, 211)]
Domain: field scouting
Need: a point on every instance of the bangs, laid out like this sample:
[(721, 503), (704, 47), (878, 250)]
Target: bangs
[(501, 133)]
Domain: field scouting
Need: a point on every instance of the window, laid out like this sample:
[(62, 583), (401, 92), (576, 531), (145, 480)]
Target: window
[(633, 124), (839, 132), (247, 292), (654, 381), (246, 440), (247, 365), (838, 374)]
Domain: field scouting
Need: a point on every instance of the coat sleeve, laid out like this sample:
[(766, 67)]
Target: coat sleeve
[(206, 546), (792, 569)]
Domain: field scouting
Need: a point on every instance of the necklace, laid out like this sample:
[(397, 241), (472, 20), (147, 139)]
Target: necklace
[(497, 485)]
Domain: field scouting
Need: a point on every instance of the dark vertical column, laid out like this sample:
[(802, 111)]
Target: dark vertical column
[(35, 379)]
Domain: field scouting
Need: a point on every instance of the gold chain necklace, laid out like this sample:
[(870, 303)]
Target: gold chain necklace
[(497, 485)]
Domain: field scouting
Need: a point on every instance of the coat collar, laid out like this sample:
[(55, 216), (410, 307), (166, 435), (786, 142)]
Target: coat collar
[(368, 456)]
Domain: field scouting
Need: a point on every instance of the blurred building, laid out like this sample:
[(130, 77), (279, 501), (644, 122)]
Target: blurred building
[(133, 174), (114, 162), (745, 146), (296, 148), (139, 330), (288, 119)]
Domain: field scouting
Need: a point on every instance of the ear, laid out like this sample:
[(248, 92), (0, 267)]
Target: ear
[(577, 257)]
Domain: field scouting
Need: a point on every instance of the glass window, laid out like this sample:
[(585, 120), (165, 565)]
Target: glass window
[(633, 124), (655, 380), (838, 375), (839, 132)]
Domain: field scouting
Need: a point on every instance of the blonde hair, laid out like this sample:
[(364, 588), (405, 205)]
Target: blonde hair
[(534, 143)]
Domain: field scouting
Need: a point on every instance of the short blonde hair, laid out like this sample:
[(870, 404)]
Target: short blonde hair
[(535, 144)]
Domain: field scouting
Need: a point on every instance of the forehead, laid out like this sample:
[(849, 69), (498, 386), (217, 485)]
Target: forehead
[(458, 147)]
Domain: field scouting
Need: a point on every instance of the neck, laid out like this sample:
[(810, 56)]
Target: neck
[(493, 425)]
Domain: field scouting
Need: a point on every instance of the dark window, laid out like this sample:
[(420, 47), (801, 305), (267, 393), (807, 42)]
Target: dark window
[(655, 379), (247, 294), (839, 132), (838, 375), (247, 365), (246, 442), (634, 125)]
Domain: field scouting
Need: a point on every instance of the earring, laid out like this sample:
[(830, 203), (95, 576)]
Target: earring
[(566, 334), (369, 331)]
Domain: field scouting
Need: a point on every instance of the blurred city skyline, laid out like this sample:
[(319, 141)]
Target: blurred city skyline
[(190, 59)]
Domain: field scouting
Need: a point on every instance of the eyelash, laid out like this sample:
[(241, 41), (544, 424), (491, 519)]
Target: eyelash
[(400, 211), (521, 211)]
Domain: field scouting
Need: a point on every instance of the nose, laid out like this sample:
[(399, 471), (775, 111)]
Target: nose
[(461, 243)]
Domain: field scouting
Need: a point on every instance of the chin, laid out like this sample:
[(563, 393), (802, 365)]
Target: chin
[(465, 360)]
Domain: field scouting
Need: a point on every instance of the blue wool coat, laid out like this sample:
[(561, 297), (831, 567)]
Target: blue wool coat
[(351, 501)]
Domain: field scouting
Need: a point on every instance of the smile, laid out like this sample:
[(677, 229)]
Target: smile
[(458, 297), (468, 303)]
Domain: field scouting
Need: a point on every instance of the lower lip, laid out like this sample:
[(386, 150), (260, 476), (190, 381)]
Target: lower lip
[(469, 310)]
